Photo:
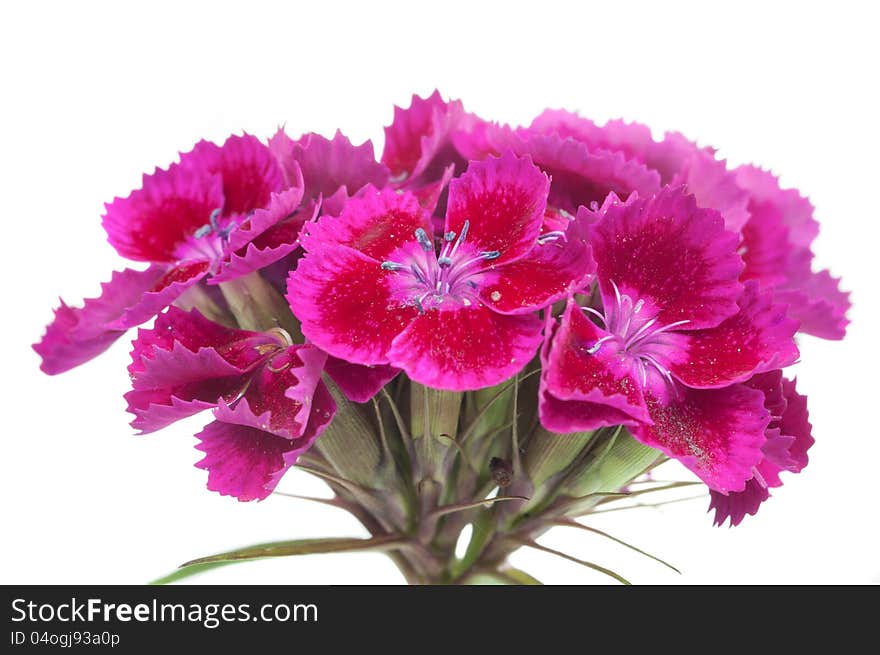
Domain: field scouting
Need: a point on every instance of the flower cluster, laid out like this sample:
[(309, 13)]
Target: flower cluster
[(655, 293)]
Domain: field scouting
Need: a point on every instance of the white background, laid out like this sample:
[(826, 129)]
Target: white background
[(94, 94)]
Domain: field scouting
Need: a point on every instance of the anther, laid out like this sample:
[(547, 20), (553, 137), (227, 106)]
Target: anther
[(490, 254), (392, 266), (551, 236), (592, 350), (424, 241), (213, 220), (203, 231), (281, 335)]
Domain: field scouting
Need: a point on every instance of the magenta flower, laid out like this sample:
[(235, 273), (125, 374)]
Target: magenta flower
[(675, 159), (374, 288), (776, 249), (332, 169), (673, 340), (776, 226), (420, 142), (580, 175), (788, 438), (268, 399), (220, 212), (656, 291)]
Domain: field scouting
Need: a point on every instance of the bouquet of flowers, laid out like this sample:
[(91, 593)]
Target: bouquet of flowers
[(494, 327)]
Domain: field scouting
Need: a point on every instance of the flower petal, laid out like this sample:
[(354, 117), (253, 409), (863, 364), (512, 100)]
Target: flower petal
[(269, 235), (760, 337), (769, 200), (788, 440), (676, 257), (715, 187), (241, 348), (736, 505), (280, 207), (716, 433), (249, 171), (359, 383), (278, 397), (504, 201), (247, 463), (634, 141), (550, 272), (375, 223), (431, 194), (77, 335), (343, 300), (776, 245), (328, 166), (172, 204), (581, 176), (817, 301), (185, 364), (796, 423), (465, 348), (242, 461), (583, 391), (164, 291), (419, 137)]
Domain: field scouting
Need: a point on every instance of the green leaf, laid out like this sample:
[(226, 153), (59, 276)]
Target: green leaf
[(450, 509), (517, 576), (303, 547), (282, 549), (576, 560), (186, 572), (574, 524), (509, 576)]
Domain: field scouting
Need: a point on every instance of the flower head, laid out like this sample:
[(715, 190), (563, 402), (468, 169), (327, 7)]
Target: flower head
[(455, 310), (776, 244), (268, 399), (674, 336)]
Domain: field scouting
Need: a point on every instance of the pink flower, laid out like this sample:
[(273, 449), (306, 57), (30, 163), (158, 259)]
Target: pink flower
[(776, 249), (374, 287), (675, 159), (775, 225), (332, 169), (788, 438), (220, 212), (268, 399), (675, 337), (420, 142)]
